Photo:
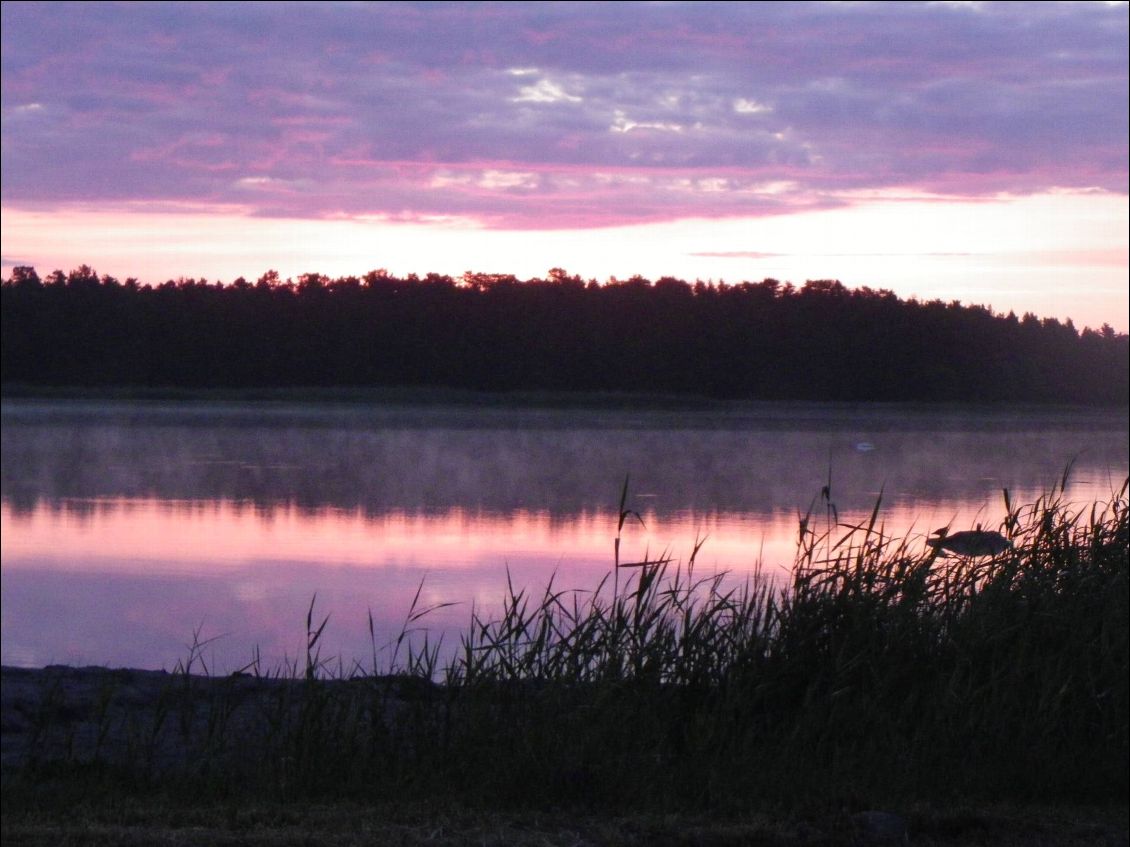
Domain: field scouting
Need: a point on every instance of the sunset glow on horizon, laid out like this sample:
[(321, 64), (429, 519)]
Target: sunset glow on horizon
[(973, 152)]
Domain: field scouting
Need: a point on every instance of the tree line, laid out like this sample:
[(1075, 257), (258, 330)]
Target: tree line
[(493, 332)]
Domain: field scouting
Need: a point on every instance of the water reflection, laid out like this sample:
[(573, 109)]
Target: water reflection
[(127, 526)]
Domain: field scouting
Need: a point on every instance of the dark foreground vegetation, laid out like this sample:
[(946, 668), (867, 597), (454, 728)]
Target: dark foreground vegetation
[(491, 332), (882, 676)]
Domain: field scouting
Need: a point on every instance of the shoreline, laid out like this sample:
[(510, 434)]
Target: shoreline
[(525, 399), (63, 713)]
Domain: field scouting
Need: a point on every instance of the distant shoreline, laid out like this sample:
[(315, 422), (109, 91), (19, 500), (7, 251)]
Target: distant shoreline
[(755, 341), (471, 398)]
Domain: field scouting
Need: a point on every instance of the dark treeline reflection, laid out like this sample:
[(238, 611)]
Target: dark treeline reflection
[(765, 340)]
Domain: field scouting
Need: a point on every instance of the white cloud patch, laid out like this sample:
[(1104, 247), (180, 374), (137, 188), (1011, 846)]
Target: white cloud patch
[(449, 179), (622, 123), (545, 91), (265, 183), (507, 179), (712, 184), (744, 106)]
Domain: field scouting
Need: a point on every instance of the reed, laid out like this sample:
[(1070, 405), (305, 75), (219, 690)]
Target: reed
[(880, 672)]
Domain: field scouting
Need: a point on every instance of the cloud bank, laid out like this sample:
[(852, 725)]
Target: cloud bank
[(555, 116)]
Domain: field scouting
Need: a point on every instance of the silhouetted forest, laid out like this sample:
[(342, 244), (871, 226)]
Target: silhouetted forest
[(492, 332)]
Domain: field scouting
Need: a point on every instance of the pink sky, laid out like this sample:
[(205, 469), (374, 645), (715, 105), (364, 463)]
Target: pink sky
[(969, 151)]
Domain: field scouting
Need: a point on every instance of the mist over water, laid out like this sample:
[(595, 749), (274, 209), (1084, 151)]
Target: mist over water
[(127, 526)]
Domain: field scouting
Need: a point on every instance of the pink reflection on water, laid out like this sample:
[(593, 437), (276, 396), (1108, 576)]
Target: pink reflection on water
[(127, 581)]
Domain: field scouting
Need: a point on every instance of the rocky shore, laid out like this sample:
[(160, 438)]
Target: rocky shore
[(157, 720)]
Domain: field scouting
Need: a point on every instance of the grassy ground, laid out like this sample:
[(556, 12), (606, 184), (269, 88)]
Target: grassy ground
[(980, 699), (134, 821)]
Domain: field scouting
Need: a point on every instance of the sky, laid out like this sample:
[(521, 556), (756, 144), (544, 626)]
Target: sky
[(962, 151)]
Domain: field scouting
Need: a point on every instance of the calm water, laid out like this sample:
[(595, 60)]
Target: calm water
[(128, 526)]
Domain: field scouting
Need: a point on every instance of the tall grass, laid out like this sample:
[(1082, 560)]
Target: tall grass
[(880, 671)]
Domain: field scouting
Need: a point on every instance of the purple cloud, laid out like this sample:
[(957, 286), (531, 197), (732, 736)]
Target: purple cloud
[(547, 115)]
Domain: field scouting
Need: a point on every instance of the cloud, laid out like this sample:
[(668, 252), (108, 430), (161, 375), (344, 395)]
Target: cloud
[(545, 91), (737, 254), (744, 106), (755, 254), (607, 113)]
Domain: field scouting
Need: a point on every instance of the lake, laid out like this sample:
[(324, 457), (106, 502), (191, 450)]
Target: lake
[(128, 526)]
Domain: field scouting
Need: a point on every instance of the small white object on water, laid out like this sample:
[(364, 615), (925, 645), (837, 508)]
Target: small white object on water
[(864, 447)]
